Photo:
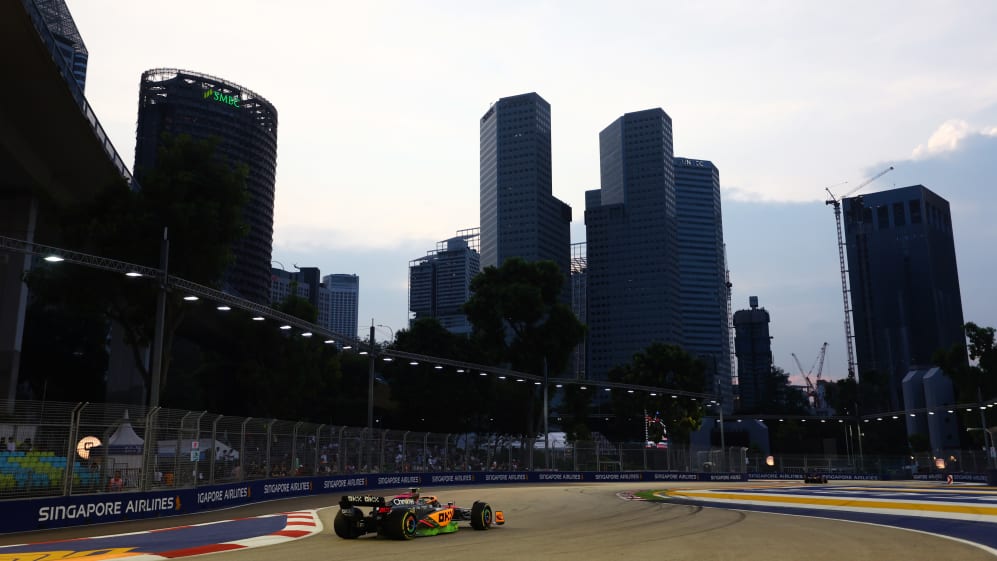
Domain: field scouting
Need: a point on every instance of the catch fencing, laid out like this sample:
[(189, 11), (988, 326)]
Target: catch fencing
[(50, 449)]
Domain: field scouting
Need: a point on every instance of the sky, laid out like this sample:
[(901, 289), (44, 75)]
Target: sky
[(378, 106)]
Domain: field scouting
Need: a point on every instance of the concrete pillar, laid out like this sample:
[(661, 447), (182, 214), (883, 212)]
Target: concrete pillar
[(18, 217)]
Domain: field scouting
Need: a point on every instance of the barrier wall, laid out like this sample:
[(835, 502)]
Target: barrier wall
[(25, 515), (59, 512)]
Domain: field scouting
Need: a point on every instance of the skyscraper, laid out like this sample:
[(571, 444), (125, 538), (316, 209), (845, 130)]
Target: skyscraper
[(579, 305), (631, 237), (702, 271), (520, 217), (335, 297), (184, 102), (339, 303), (440, 282), (904, 282), (753, 348)]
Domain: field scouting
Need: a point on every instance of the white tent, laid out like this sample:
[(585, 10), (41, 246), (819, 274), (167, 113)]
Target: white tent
[(124, 446)]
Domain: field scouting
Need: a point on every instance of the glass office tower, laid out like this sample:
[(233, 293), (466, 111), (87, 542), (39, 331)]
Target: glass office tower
[(904, 281), (632, 244), (520, 217), (184, 102)]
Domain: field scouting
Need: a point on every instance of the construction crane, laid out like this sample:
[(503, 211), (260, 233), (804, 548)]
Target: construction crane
[(811, 390), (815, 392), (819, 401), (836, 202)]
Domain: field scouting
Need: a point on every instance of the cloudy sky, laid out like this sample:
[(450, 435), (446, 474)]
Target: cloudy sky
[(379, 104)]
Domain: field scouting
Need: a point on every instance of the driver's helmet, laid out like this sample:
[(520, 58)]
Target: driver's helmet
[(429, 500)]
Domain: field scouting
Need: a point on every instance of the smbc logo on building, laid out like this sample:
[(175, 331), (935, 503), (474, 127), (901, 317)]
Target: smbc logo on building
[(222, 98)]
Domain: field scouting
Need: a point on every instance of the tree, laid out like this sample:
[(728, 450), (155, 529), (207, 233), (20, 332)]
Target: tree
[(191, 192), (229, 364), (665, 366), (413, 387), (777, 395), (976, 379), (519, 317), (520, 320)]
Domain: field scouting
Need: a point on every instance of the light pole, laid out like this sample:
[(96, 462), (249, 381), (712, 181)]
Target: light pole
[(370, 380), (156, 368), (388, 327), (546, 428), (986, 431)]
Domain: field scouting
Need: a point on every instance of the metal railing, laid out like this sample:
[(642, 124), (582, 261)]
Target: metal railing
[(58, 449)]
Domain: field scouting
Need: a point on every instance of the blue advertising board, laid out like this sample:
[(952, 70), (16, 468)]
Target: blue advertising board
[(24, 515)]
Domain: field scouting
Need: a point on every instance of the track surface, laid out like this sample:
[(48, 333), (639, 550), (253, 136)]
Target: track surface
[(579, 521)]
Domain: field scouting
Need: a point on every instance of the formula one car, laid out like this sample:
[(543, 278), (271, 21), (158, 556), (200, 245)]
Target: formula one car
[(409, 515), (815, 478)]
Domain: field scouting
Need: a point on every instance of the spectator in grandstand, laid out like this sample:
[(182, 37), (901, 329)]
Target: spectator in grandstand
[(11, 445), (116, 483)]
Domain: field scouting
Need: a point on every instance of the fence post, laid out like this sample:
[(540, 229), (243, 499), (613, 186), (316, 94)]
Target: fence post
[(242, 449), (214, 449), (294, 448), (197, 436), (266, 460), (318, 448), (74, 436)]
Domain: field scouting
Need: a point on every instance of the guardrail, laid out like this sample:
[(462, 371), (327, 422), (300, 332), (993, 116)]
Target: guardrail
[(58, 449)]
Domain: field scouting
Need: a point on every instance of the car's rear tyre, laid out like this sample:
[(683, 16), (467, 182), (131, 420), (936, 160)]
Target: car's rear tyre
[(481, 516), (399, 525), (346, 526)]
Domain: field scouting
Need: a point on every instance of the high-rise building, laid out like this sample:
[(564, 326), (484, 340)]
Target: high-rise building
[(440, 282), (520, 217), (703, 271), (753, 348), (184, 102), (904, 282), (335, 297), (339, 303), (632, 245), (579, 305)]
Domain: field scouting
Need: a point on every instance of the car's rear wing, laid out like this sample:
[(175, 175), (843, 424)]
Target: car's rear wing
[(349, 501)]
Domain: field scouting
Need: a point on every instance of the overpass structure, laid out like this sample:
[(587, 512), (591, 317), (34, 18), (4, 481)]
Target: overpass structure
[(53, 153)]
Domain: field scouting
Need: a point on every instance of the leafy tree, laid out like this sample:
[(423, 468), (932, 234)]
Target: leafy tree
[(413, 388), (190, 192), (57, 343), (519, 317), (521, 321), (666, 366), (976, 376), (982, 348), (777, 395), (574, 412), (226, 363)]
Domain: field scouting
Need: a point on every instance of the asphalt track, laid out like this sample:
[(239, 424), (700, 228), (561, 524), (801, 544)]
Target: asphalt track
[(582, 521)]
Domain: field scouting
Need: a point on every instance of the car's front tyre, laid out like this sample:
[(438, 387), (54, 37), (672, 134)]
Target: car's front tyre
[(481, 516)]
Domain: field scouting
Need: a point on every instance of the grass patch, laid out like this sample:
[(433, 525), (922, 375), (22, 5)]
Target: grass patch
[(649, 495)]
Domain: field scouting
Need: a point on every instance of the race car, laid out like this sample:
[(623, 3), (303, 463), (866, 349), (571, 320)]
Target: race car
[(409, 515), (815, 478)]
